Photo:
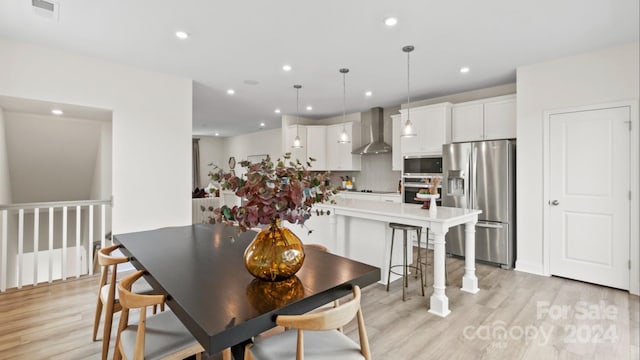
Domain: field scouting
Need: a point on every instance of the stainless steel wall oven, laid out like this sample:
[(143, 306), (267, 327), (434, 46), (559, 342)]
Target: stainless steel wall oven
[(418, 172)]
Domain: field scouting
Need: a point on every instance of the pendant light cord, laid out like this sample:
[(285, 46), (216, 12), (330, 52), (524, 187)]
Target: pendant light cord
[(297, 110), (344, 96), (408, 87)]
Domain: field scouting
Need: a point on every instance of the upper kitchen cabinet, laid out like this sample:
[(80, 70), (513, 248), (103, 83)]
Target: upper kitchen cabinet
[(296, 153), (396, 149), (317, 146), (339, 156), (431, 125), (486, 119)]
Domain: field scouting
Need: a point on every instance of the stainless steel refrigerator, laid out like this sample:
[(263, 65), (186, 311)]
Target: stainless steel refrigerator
[(481, 175)]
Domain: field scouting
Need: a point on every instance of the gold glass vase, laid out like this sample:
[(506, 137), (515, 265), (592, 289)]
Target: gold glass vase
[(275, 254)]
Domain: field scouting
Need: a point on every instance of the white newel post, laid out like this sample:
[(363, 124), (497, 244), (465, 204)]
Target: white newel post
[(439, 303), (469, 280)]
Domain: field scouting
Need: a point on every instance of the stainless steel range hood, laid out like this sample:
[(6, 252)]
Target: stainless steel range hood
[(376, 144)]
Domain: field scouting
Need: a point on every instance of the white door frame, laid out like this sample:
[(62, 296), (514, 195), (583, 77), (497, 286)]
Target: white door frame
[(634, 183)]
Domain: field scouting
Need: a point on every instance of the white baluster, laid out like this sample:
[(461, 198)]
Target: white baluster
[(78, 258), (36, 239), (103, 209), (20, 246), (90, 240), (64, 243), (3, 262), (50, 245)]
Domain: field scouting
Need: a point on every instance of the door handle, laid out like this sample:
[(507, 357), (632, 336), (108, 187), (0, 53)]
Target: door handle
[(554, 202), (489, 225)]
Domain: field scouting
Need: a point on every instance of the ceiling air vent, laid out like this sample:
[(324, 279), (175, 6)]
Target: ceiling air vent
[(46, 9)]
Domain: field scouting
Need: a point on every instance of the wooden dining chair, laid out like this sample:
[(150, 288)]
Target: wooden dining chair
[(314, 336), (160, 336), (108, 297)]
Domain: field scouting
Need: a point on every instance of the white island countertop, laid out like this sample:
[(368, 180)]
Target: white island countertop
[(355, 220), (411, 214)]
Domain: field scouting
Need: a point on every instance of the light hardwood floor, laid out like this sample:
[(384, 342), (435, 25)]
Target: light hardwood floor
[(514, 316)]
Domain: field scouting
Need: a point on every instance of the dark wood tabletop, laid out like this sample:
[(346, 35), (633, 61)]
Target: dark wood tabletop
[(200, 269)]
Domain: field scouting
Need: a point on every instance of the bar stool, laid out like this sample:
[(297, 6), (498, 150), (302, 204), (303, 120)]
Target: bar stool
[(405, 265)]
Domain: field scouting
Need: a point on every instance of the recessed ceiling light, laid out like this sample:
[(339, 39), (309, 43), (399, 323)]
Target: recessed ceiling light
[(464, 70), (57, 112), (368, 93), (391, 21), (277, 111), (217, 134), (286, 67), (181, 35), (309, 108), (231, 91), (262, 124)]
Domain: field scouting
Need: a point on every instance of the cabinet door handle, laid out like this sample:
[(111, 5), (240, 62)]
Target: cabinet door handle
[(554, 203)]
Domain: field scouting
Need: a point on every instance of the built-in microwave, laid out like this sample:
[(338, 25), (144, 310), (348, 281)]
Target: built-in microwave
[(422, 165)]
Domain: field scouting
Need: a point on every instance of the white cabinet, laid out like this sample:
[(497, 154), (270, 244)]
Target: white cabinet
[(317, 146), (396, 147), (487, 119), (296, 153), (500, 118), (467, 122), (431, 124), (339, 156)]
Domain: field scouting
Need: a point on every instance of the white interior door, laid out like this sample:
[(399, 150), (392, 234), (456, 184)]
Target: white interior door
[(589, 195)]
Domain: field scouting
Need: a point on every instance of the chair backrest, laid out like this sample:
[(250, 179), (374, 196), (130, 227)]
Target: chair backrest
[(110, 263), (330, 319), (130, 300)]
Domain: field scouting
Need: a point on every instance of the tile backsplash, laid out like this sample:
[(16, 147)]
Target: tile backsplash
[(375, 175)]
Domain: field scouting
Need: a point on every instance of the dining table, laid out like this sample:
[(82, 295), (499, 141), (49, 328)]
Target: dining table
[(200, 270)]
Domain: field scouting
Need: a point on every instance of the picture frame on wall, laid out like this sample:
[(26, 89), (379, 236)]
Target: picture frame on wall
[(257, 158)]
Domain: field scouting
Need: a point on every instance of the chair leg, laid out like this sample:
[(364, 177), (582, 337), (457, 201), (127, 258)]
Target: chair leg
[(108, 320), (117, 355), (226, 354), (393, 234), (96, 320)]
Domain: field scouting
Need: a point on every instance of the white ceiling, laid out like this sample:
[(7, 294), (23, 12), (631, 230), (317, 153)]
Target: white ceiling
[(39, 107), (234, 41)]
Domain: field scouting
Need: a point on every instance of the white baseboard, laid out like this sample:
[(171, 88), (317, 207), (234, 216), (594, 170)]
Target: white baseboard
[(531, 268)]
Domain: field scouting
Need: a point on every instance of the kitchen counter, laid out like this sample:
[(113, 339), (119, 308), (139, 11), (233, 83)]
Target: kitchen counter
[(379, 196), (361, 232)]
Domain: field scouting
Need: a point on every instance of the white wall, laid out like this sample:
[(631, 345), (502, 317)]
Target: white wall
[(51, 158), (601, 76), (5, 184), (212, 151), (265, 142), (101, 184), (151, 177)]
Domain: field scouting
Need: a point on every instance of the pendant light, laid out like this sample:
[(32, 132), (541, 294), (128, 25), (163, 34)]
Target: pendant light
[(344, 137), (297, 144), (407, 130)]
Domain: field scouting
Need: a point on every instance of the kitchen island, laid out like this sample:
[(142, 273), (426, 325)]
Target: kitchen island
[(359, 230)]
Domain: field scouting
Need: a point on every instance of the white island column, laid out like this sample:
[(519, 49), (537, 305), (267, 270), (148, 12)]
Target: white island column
[(469, 280), (439, 303)]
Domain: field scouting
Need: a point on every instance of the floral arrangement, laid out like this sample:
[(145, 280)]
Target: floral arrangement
[(272, 191)]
